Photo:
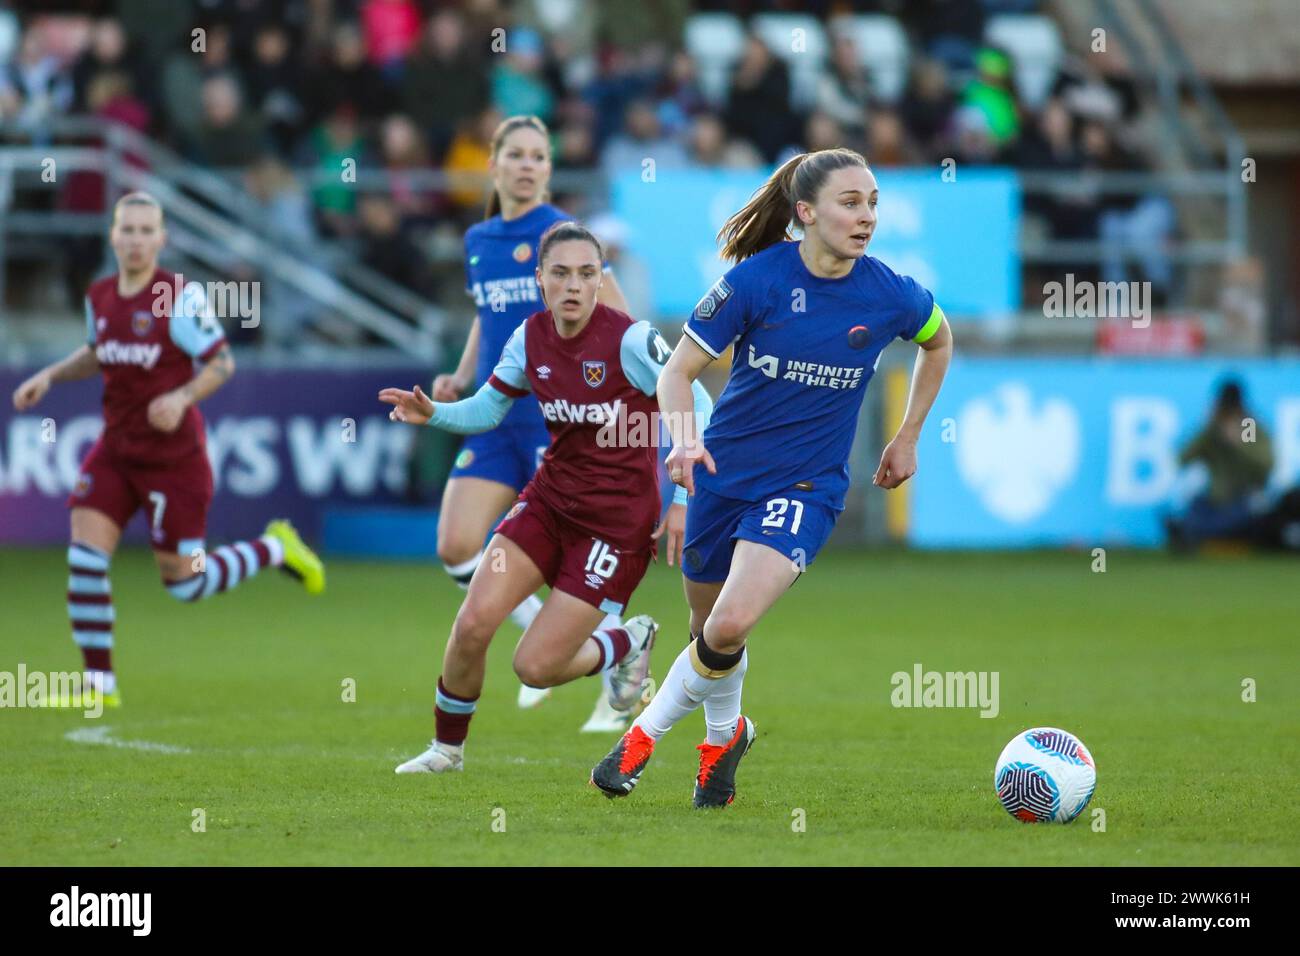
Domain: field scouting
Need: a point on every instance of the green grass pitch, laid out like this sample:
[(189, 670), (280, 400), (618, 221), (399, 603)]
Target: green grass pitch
[(1144, 662)]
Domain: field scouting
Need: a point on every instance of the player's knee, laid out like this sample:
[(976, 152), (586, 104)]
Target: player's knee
[(459, 556), (535, 670), (473, 629), (726, 629)]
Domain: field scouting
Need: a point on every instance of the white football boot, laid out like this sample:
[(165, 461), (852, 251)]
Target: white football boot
[(605, 719), (628, 676), (439, 758), (523, 616), (530, 697)]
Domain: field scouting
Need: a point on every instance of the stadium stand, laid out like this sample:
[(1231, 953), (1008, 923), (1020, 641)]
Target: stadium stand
[(288, 90)]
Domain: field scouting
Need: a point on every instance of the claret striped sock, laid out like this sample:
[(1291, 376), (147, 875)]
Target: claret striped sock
[(228, 566), (90, 608)]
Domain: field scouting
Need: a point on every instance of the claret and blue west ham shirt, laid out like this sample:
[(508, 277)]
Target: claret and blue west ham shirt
[(146, 345), (596, 392)]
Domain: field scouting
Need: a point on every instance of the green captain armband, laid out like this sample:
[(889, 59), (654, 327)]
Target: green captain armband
[(931, 325)]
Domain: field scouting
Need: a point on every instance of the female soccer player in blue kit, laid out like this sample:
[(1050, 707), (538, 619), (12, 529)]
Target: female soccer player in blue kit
[(500, 262), (808, 321)]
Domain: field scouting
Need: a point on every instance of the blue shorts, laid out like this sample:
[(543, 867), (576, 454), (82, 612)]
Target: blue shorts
[(508, 454), (791, 522)]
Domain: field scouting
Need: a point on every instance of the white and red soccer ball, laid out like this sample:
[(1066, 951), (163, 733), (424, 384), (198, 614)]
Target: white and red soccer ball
[(1045, 774)]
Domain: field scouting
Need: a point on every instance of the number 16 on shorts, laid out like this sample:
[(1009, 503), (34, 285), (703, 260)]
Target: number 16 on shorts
[(602, 562)]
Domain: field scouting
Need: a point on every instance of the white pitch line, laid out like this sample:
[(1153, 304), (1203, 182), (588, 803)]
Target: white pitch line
[(100, 735)]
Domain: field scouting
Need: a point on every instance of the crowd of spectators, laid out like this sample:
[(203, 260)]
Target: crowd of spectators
[(275, 89)]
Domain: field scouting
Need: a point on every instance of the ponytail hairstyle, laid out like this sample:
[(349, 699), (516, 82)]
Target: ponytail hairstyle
[(564, 231), (765, 219), (504, 129)]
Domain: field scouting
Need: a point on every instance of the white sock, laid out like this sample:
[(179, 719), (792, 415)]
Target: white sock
[(461, 573), (680, 693), (722, 706), (105, 681), (275, 548)]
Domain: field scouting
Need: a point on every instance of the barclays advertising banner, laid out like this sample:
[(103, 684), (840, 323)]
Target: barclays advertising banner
[(958, 239), (1078, 452), (283, 443)]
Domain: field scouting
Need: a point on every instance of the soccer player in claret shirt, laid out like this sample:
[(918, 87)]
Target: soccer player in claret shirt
[(152, 453), (493, 466), (585, 524), (808, 321)]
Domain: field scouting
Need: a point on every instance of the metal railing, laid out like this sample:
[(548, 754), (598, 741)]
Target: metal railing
[(220, 218), (212, 221)]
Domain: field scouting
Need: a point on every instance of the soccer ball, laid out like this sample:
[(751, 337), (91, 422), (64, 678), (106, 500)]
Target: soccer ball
[(1045, 774)]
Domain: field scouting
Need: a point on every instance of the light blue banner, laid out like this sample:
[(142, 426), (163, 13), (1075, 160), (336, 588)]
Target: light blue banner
[(958, 239), (1078, 452)]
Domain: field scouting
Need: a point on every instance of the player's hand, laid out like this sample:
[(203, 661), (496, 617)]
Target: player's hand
[(897, 463), (167, 410), (447, 388), (681, 464), (31, 391), (414, 408), (674, 524)]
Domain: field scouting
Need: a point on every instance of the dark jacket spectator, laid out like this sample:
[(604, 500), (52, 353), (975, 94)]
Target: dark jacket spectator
[(228, 136), (758, 107), (346, 79), (274, 88), (928, 105), (445, 81), (110, 50)]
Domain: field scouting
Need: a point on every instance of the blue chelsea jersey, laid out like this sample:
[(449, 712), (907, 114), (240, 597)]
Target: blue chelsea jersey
[(500, 259), (805, 348)]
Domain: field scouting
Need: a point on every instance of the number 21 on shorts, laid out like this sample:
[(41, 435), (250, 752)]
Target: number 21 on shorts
[(776, 513)]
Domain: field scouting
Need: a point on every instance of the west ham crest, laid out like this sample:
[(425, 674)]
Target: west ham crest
[(141, 323), (593, 373)]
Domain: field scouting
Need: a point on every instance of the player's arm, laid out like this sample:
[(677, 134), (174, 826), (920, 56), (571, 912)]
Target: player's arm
[(216, 372), (677, 408), (449, 386), (642, 356), (898, 461), (80, 364), (482, 411), (196, 332), (717, 321), (166, 411), (673, 527)]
